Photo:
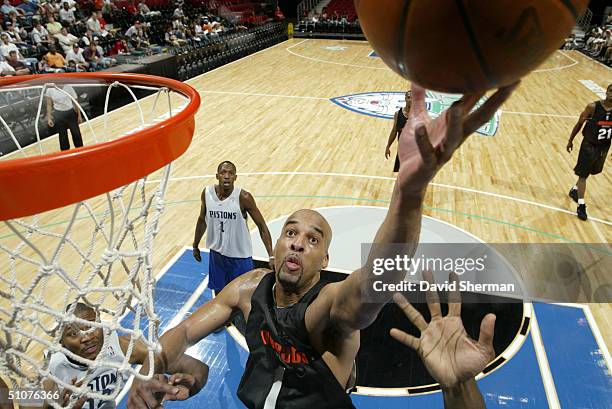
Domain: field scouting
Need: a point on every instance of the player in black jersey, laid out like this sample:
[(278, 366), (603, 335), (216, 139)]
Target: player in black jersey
[(399, 121), (594, 148), (303, 334)]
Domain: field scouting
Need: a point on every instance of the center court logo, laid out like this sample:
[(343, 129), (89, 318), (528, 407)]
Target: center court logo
[(386, 104)]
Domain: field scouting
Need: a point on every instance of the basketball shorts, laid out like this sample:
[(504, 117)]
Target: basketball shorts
[(591, 159), (222, 269)]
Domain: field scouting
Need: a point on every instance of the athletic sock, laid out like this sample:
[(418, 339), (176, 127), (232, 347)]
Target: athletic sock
[(580, 201), (575, 187)]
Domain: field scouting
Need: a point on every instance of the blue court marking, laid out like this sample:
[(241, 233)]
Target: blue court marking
[(576, 365), (373, 54), (336, 101), (582, 377)]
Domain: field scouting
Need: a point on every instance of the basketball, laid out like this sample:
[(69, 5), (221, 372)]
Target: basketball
[(466, 45)]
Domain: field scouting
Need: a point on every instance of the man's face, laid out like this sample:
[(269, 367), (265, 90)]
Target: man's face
[(66, 6), (13, 56), (609, 93), (226, 175), (65, 31), (4, 38), (82, 340), (301, 250)]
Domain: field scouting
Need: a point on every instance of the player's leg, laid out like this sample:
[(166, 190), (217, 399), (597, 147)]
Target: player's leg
[(62, 130), (75, 130), (583, 169), (216, 271)]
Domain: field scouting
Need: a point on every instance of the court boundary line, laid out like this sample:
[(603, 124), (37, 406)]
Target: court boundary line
[(540, 351), (374, 177), (288, 49)]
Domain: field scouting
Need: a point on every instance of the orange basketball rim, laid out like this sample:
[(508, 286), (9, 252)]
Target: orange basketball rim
[(40, 183)]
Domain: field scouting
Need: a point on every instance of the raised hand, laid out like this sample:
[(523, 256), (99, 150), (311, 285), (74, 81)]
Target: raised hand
[(448, 352), (426, 144)]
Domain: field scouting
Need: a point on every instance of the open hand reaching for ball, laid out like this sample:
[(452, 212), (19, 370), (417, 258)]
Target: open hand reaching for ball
[(426, 144)]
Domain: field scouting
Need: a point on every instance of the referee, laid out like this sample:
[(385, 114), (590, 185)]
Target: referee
[(63, 113)]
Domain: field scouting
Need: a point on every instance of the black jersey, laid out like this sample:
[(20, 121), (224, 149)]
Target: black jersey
[(401, 121), (598, 129), (283, 370)]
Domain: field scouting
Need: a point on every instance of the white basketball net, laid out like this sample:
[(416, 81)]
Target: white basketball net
[(97, 252)]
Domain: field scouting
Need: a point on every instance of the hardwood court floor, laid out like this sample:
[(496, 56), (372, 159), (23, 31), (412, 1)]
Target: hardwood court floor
[(271, 115)]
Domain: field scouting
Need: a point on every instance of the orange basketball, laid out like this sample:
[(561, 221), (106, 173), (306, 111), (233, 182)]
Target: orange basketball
[(462, 46)]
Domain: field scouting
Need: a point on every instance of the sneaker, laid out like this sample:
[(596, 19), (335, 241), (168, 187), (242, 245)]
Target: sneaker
[(573, 193), (581, 212)]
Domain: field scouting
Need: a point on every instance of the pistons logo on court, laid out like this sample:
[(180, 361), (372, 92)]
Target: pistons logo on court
[(386, 104)]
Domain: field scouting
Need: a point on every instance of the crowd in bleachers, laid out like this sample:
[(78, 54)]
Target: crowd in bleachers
[(596, 42), (339, 16), (53, 36)]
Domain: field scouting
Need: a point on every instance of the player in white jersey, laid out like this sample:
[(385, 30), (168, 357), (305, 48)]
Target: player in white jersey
[(189, 374), (224, 213)]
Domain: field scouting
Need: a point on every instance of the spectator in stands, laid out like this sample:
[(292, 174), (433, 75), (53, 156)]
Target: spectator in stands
[(121, 46), (105, 61), (19, 67), (93, 25), (67, 14), (7, 46), (30, 9), (171, 38), (53, 27), (103, 23), (87, 38), (75, 55), (137, 36), (53, 61), (178, 12), (66, 40), (93, 56), (40, 36), (17, 35), (6, 70), (145, 11), (131, 8), (51, 9), (7, 7)]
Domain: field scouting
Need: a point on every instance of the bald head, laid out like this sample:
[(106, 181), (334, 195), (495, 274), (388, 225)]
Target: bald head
[(315, 219)]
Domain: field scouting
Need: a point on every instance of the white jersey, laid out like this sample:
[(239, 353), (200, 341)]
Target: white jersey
[(102, 380), (227, 231)]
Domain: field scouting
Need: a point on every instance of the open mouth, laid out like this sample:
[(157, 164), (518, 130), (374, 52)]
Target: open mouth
[(292, 263)]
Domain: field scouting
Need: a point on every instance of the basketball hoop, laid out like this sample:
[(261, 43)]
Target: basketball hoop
[(99, 250)]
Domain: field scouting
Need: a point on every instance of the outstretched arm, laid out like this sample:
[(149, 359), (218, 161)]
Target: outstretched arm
[(586, 114), (174, 342), (448, 352), (200, 227), (424, 147)]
